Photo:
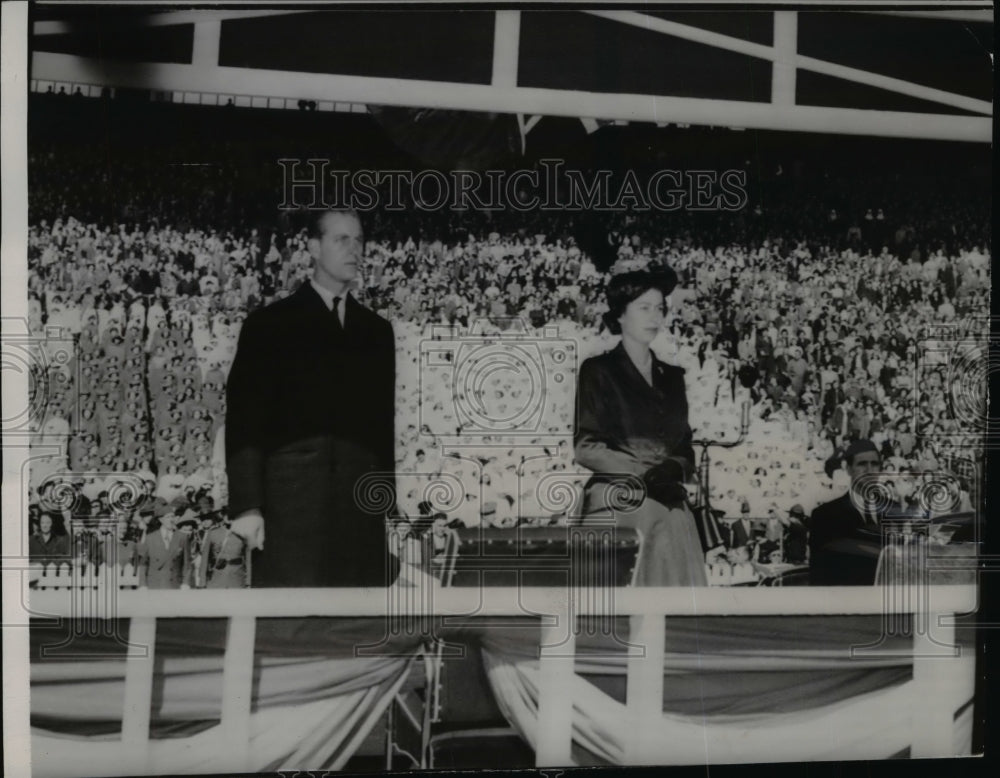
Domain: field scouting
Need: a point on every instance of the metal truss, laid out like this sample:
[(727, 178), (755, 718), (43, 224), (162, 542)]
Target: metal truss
[(203, 75)]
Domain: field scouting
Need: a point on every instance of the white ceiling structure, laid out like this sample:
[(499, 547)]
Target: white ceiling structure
[(203, 74)]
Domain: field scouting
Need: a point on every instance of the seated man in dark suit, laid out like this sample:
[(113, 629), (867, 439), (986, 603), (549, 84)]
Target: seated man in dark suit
[(845, 534)]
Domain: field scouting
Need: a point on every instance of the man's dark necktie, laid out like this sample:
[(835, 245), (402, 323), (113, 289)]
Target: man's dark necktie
[(337, 326)]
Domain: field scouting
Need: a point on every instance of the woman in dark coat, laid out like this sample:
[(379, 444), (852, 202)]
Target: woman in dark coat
[(632, 429)]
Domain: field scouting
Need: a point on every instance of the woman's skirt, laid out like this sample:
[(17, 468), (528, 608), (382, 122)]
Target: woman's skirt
[(670, 553)]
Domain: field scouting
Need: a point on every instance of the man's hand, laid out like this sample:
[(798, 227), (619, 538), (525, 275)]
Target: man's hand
[(249, 525)]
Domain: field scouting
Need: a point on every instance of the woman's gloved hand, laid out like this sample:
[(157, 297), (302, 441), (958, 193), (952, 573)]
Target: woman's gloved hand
[(665, 483)]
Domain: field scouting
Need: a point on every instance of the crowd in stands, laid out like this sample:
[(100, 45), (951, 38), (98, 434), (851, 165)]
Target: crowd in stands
[(834, 320)]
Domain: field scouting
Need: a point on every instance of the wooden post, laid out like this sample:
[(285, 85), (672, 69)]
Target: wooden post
[(138, 693), (644, 700), (237, 690), (937, 674), (554, 734)]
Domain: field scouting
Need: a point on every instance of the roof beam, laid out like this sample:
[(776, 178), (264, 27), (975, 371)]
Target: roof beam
[(507, 33), (205, 51), (896, 85), (480, 97), (506, 46), (984, 16), (792, 59), (56, 27), (786, 41)]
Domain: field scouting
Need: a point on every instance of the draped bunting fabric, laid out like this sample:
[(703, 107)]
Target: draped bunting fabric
[(734, 666), (313, 703), (872, 726), (736, 690), (314, 735)]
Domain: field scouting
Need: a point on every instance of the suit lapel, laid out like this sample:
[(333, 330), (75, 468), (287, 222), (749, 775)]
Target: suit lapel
[(636, 378)]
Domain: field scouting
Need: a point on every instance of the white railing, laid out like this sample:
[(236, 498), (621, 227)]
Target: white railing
[(933, 632)]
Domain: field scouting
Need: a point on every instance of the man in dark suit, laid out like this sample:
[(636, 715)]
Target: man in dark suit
[(45, 546), (165, 556), (740, 531), (845, 538), (311, 412)]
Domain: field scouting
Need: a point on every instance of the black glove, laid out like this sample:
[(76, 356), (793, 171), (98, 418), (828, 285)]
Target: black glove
[(665, 483)]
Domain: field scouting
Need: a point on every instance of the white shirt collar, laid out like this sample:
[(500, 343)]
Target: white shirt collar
[(327, 296)]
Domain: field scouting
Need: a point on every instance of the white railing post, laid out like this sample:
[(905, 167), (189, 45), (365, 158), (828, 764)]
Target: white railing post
[(936, 676), (138, 693), (237, 690), (554, 733), (644, 692)]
